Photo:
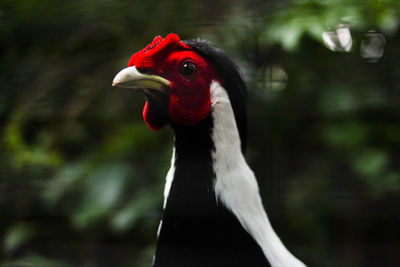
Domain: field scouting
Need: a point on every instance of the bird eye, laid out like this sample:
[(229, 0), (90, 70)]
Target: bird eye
[(188, 71)]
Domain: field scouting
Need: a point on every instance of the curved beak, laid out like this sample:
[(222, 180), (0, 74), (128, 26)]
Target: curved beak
[(131, 78)]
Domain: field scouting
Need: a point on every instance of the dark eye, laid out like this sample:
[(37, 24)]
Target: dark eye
[(188, 71)]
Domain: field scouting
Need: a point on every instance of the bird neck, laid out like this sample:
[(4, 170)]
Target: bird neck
[(213, 214), (191, 190), (198, 152), (197, 229)]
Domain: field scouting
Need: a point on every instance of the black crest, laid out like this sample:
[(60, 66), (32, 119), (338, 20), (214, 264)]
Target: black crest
[(233, 82)]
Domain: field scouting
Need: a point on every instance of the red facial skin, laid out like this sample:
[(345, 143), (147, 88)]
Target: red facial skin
[(189, 100)]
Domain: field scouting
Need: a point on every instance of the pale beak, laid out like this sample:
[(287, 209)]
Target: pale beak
[(131, 78)]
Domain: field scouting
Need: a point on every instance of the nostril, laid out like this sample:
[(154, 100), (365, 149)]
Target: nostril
[(144, 70)]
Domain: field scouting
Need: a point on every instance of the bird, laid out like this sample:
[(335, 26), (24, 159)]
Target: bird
[(212, 212)]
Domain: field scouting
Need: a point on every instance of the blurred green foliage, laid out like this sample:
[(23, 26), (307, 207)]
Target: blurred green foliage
[(81, 176)]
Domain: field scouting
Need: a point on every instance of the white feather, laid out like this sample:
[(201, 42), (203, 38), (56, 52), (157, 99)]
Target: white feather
[(235, 184), (169, 178), (168, 183)]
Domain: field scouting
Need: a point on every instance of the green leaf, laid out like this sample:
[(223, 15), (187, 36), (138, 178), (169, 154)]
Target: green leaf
[(144, 201), (103, 188), (16, 236), (370, 162), (34, 260)]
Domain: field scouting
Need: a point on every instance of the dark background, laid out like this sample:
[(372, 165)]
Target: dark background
[(81, 176)]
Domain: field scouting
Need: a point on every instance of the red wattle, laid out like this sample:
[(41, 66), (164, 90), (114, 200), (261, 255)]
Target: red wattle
[(150, 120)]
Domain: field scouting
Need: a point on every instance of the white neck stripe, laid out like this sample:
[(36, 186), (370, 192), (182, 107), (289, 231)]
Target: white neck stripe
[(235, 183)]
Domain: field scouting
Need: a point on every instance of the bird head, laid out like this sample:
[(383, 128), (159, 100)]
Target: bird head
[(175, 76), (175, 80)]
